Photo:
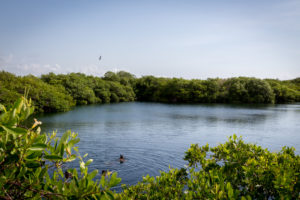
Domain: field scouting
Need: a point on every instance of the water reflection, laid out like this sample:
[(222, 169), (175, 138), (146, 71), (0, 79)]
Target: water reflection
[(246, 118)]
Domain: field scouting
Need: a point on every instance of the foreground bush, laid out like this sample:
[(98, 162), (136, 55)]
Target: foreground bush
[(27, 157), (234, 170), (31, 167)]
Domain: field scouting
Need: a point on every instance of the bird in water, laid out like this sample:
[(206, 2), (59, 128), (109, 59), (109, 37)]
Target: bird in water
[(121, 158), (100, 58)]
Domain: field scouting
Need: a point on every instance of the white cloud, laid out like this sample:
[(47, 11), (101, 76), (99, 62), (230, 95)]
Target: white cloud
[(24, 66), (19, 66), (33, 68), (91, 69)]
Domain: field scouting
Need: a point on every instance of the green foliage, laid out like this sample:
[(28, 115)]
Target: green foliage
[(27, 157), (248, 90), (124, 78), (89, 89), (76, 84), (46, 98), (148, 88), (59, 93), (234, 90), (55, 93), (285, 91), (169, 185), (234, 170)]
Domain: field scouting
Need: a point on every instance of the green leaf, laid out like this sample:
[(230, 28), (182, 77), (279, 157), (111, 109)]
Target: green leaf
[(18, 104), (60, 172), (33, 154), (42, 174), (88, 162), (234, 136), (62, 150), (102, 181), (65, 137), (114, 180), (73, 142), (71, 158), (33, 164), (92, 174), (82, 166), (53, 157), (76, 181), (230, 190), (41, 139), (109, 194), (15, 131), (9, 131), (2, 108), (38, 147)]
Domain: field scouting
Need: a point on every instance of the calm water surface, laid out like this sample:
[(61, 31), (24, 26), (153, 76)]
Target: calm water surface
[(153, 136)]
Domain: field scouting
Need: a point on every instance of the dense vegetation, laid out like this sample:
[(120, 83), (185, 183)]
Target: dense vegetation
[(55, 93), (46, 98), (89, 89), (232, 90), (234, 170), (33, 166)]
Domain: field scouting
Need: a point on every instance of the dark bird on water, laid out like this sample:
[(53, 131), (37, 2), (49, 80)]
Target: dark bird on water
[(100, 58), (121, 159)]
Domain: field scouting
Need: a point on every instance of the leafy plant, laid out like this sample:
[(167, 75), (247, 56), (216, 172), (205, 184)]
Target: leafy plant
[(233, 170), (31, 163)]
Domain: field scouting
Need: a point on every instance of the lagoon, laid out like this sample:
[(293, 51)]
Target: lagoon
[(154, 136)]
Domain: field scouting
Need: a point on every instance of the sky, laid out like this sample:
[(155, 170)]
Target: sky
[(188, 39)]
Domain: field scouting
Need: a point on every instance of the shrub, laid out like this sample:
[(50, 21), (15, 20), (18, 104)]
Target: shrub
[(234, 170), (31, 163)]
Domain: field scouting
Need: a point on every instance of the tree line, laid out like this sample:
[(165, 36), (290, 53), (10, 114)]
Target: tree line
[(232, 90), (60, 92)]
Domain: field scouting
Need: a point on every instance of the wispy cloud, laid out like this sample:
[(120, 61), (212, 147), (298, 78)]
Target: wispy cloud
[(19, 66), (6, 58), (32, 68), (25, 66), (90, 69)]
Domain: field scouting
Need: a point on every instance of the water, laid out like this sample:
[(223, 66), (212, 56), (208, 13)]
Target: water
[(154, 136)]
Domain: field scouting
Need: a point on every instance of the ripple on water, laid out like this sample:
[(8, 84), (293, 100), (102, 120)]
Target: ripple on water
[(154, 136)]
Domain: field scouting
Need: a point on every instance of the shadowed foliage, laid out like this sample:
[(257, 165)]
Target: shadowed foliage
[(57, 93)]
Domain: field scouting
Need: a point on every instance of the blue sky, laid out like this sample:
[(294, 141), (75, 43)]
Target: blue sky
[(189, 39)]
